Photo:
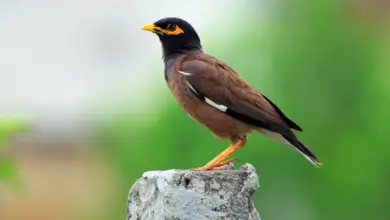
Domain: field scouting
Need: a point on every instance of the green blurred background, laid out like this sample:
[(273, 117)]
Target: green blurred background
[(326, 64)]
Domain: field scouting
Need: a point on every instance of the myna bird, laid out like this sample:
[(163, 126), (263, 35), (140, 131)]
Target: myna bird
[(214, 95)]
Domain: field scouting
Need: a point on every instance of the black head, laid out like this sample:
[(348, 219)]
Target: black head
[(176, 35)]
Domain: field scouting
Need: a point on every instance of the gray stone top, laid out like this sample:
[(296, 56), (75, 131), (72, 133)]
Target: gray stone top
[(194, 195)]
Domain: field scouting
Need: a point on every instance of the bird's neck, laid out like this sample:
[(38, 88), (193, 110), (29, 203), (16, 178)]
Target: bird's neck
[(169, 53), (172, 59)]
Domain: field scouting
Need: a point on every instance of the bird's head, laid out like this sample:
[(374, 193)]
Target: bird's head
[(176, 35)]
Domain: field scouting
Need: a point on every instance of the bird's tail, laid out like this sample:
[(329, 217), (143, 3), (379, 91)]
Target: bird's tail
[(305, 151), (295, 144)]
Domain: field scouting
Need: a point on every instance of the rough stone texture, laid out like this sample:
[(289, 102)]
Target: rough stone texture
[(188, 195)]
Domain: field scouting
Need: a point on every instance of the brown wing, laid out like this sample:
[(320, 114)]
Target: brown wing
[(216, 81)]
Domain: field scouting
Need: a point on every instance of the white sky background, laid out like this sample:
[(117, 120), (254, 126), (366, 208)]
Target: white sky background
[(56, 56)]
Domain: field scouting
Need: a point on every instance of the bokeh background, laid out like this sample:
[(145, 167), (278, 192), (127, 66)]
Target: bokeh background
[(84, 108)]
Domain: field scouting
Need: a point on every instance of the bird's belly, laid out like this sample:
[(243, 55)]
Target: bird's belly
[(219, 123), (224, 126)]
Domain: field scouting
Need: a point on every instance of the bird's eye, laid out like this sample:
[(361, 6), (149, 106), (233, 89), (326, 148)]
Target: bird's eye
[(171, 27)]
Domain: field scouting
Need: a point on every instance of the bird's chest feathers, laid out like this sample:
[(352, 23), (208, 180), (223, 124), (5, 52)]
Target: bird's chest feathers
[(170, 63), (179, 87), (177, 84)]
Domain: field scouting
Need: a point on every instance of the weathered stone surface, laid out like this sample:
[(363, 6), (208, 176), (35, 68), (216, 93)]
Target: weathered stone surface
[(188, 195)]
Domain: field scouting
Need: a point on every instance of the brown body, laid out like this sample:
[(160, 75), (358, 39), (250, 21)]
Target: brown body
[(221, 125), (222, 80)]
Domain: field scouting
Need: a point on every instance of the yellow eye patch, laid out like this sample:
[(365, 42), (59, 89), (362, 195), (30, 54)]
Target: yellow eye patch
[(173, 30)]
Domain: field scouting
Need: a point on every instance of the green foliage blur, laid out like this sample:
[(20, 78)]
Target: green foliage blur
[(324, 67), (9, 126)]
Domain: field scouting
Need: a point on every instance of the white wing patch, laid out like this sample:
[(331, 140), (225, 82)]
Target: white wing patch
[(185, 73), (192, 88), (222, 108)]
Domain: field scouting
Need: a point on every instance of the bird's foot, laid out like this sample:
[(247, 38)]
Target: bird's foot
[(225, 165), (228, 162), (220, 162)]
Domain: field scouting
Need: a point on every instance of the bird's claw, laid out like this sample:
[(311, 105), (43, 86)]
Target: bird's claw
[(225, 165), (228, 162)]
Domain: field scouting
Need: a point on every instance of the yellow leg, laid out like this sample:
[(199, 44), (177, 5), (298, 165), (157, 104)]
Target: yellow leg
[(219, 161)]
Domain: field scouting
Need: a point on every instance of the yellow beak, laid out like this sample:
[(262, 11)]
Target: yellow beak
[(150, 27)]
